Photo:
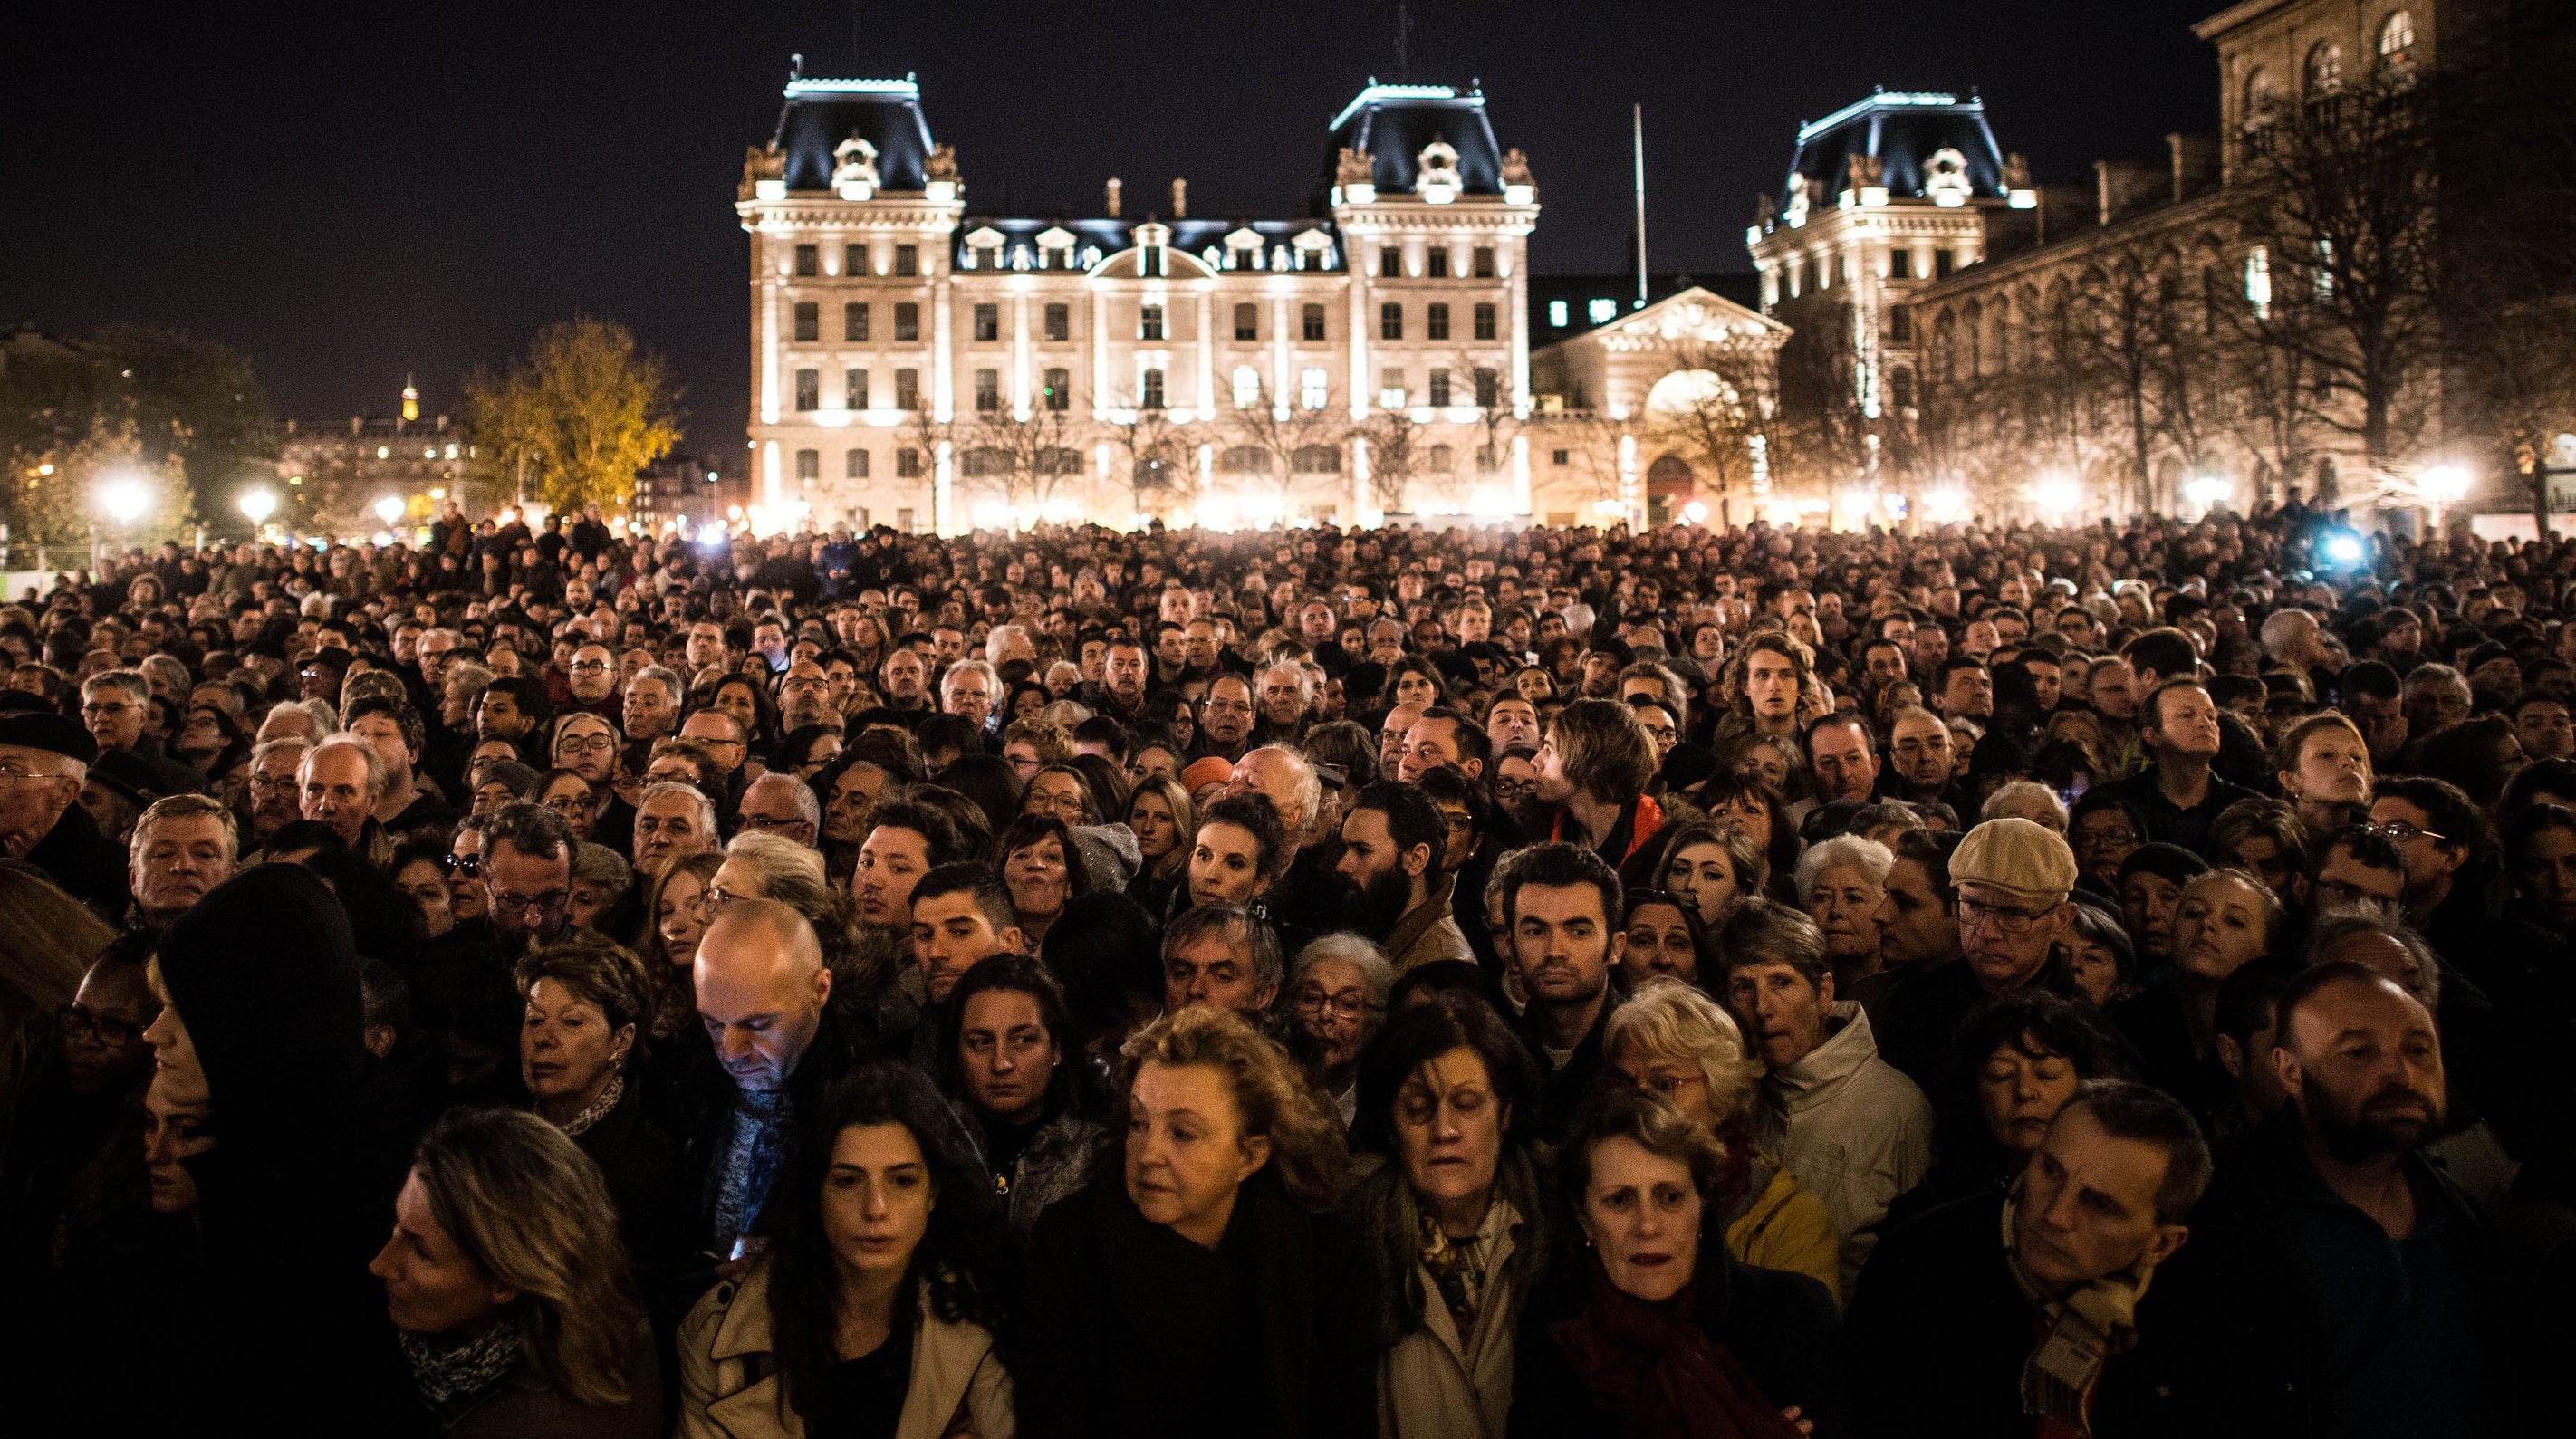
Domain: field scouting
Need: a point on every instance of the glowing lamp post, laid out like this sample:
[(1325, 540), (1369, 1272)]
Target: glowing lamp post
[(2207, 491), (124, 498), (2440, 485), (388, 510), (2056, 496), (257, 506)]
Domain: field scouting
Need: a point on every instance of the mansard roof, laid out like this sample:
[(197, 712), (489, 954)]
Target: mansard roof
[(1902, 130), (1393, 124), (1112, 236), (820, 114)]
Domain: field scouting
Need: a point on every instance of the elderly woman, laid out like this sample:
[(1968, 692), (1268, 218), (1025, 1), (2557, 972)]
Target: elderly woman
[(873, 1309), (1337, 988), (582, 1043), (1202, 1285), (2100, 957), (1453, 1204), (1645, 1329), (1841, 884), (505, 1276), (2026, 799), (2009, 1069), (1672, 1040), (1013, 1072)]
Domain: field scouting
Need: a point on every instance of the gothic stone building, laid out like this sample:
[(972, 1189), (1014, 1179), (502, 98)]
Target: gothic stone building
[(922, 364)]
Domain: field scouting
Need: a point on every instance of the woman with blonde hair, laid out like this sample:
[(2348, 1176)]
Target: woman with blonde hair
[(674, 921), (2324, 771), (1672, 1040), (510, 1287), (1166, 826), (1203, 1284)]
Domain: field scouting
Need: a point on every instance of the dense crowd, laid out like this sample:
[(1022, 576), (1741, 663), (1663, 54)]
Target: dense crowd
[(1472, 983)]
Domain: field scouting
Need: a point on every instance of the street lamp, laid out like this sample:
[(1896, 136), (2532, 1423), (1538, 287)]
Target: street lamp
[(258, 505), (2207, 491), (2440, 485), (389, 509), (125, 497), (2056, 494)]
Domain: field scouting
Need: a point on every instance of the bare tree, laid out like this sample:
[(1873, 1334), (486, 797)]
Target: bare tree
[(1722, 412), (1025, 461), (1162, 463), (1590, 441), (1823, 432), (1396, 454), (1283, 433)]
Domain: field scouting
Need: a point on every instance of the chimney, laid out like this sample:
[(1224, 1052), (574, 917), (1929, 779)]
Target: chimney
[(1180, 199), (1113, 197), (2195, 164)]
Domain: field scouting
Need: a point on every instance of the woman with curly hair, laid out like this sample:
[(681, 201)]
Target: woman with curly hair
[(874, 1307), (1202, 1285)]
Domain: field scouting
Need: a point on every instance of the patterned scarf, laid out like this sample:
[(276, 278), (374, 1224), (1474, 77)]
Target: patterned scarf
[(2085, 1328), (1458, 1265), (597, 1109), (448, 1370)]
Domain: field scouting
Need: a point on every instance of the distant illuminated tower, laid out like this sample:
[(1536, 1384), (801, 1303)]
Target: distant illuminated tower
[(411, 400)]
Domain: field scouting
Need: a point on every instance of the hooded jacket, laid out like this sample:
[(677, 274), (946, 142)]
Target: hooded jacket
[(1854, 1131), (297, 1193)]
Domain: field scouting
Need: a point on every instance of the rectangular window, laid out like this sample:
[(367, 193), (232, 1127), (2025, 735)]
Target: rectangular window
[(809, 389), (1900, 324), (1489, 388), (903, 521), (907, 389), (1900, 264), (1247, 322), (1560, 457), (854, 322), (1153, 391), (854, 389), (1059, 322), (854, 261), (1390, 388), (1435, 323), (1314, 322), (1390, 321), (1059, 389), (1313, 388), (855, 464), (1558, 315), (809, 260), (988, 323), (809, 466), (1601, 312), (1941, 263), (1247, 387), (1149, 262), (907, 464), (907, 322), (1484, 322), (1439, 258), (907, 259), (1390, 263), (988, 390), (1440, 389), (1484, 262), (809, 322), (1149, 322)]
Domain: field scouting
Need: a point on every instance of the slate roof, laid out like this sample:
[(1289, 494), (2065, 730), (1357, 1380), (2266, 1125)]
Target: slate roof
[(1903, 130), (1392, 123), (820, 114)]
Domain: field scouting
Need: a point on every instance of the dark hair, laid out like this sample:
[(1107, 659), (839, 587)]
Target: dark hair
[(1106, 951), (1648, 1120), (961, 1257), (2453, 813), (947, 731), (2144, 1114), (2367, 845), (2034, 1022), (311, 834), (2250, 998), (2167, 651), (1092, 812), (531, 829), (2465, 754), (1411, 818), (2541, 776), (2165, 861), (1019, 974), (405, 718), (991, 782), (1257, 816), (798, 747), (938, 832), (1557, 864), (2529, 824), (2371, 678), (1027, 831), (981, 881)]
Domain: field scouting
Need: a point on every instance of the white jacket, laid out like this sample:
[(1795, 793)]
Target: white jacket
[(726, 1340), (1436, 1383), (1854, 1131)]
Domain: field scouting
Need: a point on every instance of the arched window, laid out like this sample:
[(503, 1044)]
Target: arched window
[(1316, 460), (2325, 70), (2262, 99), (2397, 40)]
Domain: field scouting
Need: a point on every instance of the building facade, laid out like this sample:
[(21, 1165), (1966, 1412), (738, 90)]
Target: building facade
[(922, 364), (334, 474)]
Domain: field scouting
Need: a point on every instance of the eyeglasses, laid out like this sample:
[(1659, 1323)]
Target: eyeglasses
[(715, 897), (2399, 831), (468, 865), (585, 744), (509, 902), (2010, 921), (1347, 1003), (589, 667), (768, 822), (76, 1023), (13, 770)]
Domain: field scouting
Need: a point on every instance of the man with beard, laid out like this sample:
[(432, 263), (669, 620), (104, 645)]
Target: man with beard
[(1393, 890), (2335, 1286), (907, 681)]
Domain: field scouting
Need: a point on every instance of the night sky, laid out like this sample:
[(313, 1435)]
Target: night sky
[(349, 192)]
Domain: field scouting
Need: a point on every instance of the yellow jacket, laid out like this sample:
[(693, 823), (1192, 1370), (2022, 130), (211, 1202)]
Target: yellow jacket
[(1788, 1229)]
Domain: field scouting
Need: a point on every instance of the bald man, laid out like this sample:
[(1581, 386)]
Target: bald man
[(762, 991)]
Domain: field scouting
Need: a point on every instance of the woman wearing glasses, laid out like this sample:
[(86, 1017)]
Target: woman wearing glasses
[(1338, 990)]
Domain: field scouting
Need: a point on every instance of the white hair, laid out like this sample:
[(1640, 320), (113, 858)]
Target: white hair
[(377, 777), (778, 857), (705, 806), (992, 678), (1000, 635), (1866, 855), (1377, 976)]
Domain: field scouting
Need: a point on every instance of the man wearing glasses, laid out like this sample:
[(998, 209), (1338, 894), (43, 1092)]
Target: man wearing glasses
[(2013, 878), (592, 676), (527, 875)]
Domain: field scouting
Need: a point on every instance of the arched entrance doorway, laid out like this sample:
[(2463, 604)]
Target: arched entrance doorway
[(1669, 486)]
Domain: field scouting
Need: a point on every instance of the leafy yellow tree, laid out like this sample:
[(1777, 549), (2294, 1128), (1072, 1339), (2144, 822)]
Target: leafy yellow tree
[(576, 418)]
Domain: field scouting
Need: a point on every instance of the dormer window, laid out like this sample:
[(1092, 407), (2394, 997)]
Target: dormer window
[(1242, 249), (984, 249), (1055, 248), (1437, 180), (854, 168), (1945, 177)]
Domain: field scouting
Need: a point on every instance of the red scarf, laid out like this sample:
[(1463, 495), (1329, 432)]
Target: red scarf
[(1649, 1366)]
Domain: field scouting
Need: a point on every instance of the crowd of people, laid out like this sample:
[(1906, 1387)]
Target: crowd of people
[(1477, 983)]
